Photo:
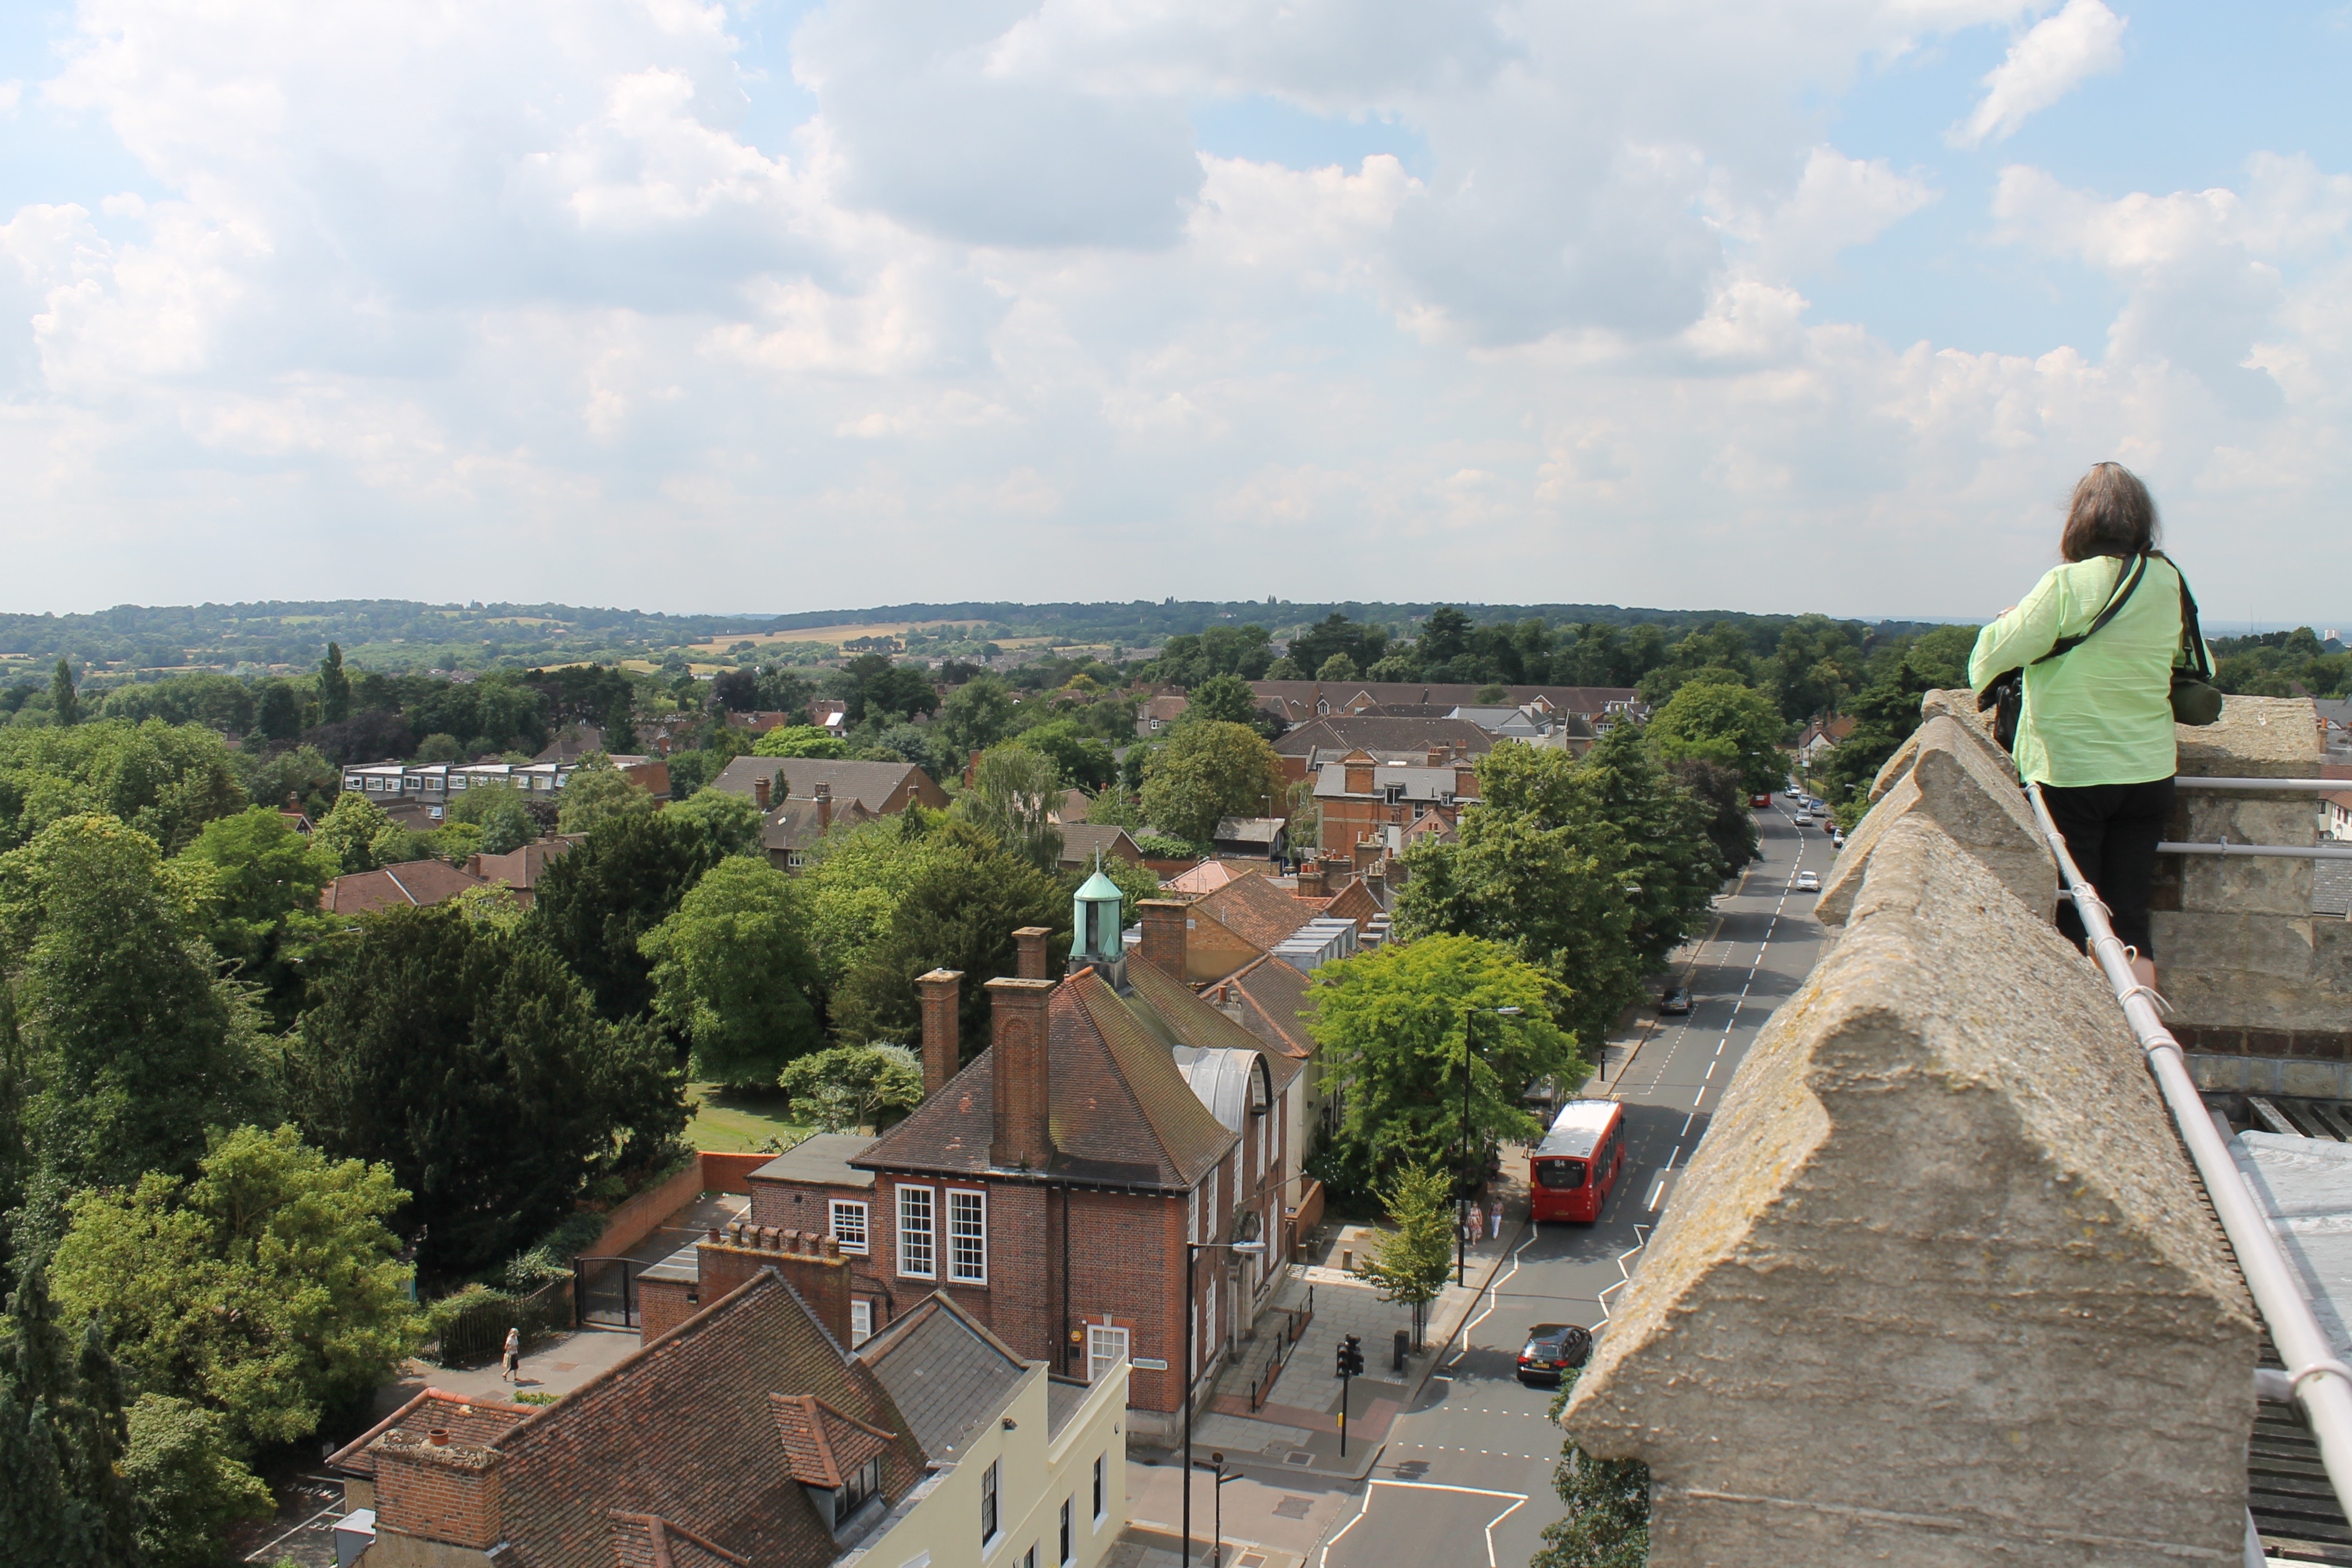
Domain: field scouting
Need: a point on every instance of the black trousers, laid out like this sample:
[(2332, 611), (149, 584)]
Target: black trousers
[(2112, 830)]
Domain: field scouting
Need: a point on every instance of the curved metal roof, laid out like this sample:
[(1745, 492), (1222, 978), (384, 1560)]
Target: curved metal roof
[(1220, 1078)]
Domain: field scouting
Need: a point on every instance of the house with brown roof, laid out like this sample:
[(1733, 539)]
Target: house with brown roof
[(791, 829), (1297, 701), (1820, 738), (1082, 841), (1157, 715), (1421, 741), (411, 884), (519, 871), (1235, 924), (1209, 876), (1361, 797), (1268, 997), (1049, 1188), (747, 1435), (883, 788)]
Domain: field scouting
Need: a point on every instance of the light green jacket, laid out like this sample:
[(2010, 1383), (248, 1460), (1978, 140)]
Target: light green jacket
[(2100, 714)]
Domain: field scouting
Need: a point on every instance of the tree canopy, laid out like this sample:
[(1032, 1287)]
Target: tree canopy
[(1719, 721), (595, 905), (799, 740), (266, 1289), (65, 1502), (733, 973), (597, 793), (1210, 771)]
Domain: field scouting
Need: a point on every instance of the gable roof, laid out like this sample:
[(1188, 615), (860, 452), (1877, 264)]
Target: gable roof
[(1271, 998), (946, 1372), (793, 823), (871, 785), (1257, 911), (1210, 875), (1119, 1111), (1081, 840), (476, 1422), (649, 1540), (685, 1431), (1385, 735), (822, 1446), (521, 868), (421, 883)]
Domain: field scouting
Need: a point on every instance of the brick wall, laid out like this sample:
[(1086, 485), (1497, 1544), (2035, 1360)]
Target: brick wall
[(663, 1305), (822, 1279), (443, 1492)]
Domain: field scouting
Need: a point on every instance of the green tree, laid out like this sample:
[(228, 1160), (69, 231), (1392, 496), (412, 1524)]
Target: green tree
[(1730, 825), (355, 834), (731, 822), (278, 716), (1667, 859), (1445, 637), (1414, 1264), (261, 871), (978, 714), (1608, 1519), (597, 793), (1208, 772), (183, 1467), (733, 973), (165, 780), (1391, 1023), (300, 777), (800, 741), (596, 904), (266, 1289), (855, 880), (1080, 761), (1013, 792), (498, 811), (64, 1502), (1717, 721), (853, 1087), (960, 913), (64, 702), (1338, 666), (334, 687), (466, 1055), (1223, 698), (132, 1045)]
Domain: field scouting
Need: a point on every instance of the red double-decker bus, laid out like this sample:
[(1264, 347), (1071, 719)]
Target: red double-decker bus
[(1575, 1168)]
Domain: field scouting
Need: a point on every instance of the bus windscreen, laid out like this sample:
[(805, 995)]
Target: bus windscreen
[(1560, 1174)]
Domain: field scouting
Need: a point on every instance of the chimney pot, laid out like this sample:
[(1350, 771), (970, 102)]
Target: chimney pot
[(1029, 951), (942, 994), (438, 1438), (714, 1233), (833, 1246)]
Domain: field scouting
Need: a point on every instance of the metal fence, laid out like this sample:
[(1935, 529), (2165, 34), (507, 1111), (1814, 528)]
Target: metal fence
[(604, 1291), (476, 1334), (1286, 1335)]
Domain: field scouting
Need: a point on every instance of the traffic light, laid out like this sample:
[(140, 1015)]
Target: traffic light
[(1351, 1357), (1344, 1368)]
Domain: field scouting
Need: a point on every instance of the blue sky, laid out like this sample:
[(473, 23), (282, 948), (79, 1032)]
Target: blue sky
[(773, 306)]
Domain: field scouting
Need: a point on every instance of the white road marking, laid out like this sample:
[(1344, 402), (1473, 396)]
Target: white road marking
[(1519, 1502)]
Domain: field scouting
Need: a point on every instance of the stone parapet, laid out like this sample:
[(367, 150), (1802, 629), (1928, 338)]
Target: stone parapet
[(1938, 1288), (1951, 777)]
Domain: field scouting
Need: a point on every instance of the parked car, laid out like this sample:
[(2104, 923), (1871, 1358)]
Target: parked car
[(1837, 838), (1552, 1349), (1761, 801), (1809, 882), (1802, 818), (1675, 1000)]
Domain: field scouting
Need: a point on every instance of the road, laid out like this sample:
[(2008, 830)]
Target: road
[(1466, 1475)]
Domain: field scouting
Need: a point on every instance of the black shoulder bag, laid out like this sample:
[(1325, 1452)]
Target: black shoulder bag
[(2005, 695), (2195, 699)]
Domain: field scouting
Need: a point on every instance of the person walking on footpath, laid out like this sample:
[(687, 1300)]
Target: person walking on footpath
[(511, 1359), (1498, 1219), (2096, 642), (1476, 1216)]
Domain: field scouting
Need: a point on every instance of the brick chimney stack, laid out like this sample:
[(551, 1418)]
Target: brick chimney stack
[(1310, 879), (942, 994), (763, 791), (810, 1263), (1029, 951), (1466, 780), (1438, 756), (1021, 1084), (824, 809), (1165, 922), (1357, 771), (432, 1488)]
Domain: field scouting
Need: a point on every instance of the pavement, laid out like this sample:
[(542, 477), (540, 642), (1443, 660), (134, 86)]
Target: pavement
[(1465, 1473)]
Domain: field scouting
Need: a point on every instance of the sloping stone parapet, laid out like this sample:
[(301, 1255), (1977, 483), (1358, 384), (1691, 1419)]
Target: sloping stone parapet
[(1957, 780), (1938, 1288)]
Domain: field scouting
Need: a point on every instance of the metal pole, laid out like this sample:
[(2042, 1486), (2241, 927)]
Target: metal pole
[(1192, 1306), (2322, 1382), (2282, 786), (2263, 851), (1217, 1529)]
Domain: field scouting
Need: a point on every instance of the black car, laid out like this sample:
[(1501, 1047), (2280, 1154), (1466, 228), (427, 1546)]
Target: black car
[(1676, 1000), (1551, 1349)]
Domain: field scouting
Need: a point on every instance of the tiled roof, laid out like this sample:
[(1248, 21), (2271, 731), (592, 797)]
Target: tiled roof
[(1385, 735), (685, 1431), (1419, 784), (1341, 694), (793, 823), (1081, 840), (476, 1422), (1257, 911), (946, 1372), (869, 784), (649, 1540), (1271, 995), (821, 1445), (1120, 1112), (521, 868), (421, 883), (1210, 875)]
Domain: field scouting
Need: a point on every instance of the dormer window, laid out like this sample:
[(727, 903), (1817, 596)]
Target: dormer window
[(855, 1490)]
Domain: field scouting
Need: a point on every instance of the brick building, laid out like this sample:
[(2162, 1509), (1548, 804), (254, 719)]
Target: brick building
[(1051, 1185), (745, 1436), (1437, 742), (1363, 798)]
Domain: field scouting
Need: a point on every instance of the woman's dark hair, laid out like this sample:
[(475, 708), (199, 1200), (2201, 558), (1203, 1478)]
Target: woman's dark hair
[(2111, 514)]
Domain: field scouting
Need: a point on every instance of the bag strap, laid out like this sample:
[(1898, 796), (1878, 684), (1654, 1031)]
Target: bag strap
[(2123, 586), (2191, 634)]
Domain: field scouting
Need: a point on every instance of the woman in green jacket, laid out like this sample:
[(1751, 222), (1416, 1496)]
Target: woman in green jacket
[(2096, 731)]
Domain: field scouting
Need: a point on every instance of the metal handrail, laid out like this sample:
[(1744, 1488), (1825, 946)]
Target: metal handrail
[(2283, 787), (2322, 1384), (2259, 851)]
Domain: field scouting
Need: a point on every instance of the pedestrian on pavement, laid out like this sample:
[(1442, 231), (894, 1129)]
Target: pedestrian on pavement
[(511, 1359), (1477, 1215), (2096, 717), (1498, 1219)]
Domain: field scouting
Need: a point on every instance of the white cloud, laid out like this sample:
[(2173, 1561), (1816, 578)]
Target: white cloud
[(513, 285), (2042, 67)]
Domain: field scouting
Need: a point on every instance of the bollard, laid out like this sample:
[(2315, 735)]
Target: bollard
[(1347, 1259), (1396, 1358)]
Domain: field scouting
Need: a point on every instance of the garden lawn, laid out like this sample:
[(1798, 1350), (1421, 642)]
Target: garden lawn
[(724, 1122)]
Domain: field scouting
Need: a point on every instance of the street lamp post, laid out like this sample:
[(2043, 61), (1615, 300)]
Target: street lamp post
[(1192, 1331), (1216, 1466), (1462, 1197)]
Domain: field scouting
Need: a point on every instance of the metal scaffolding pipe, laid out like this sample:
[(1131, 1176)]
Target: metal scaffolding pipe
[(2322, 1384), (2263, 851)]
